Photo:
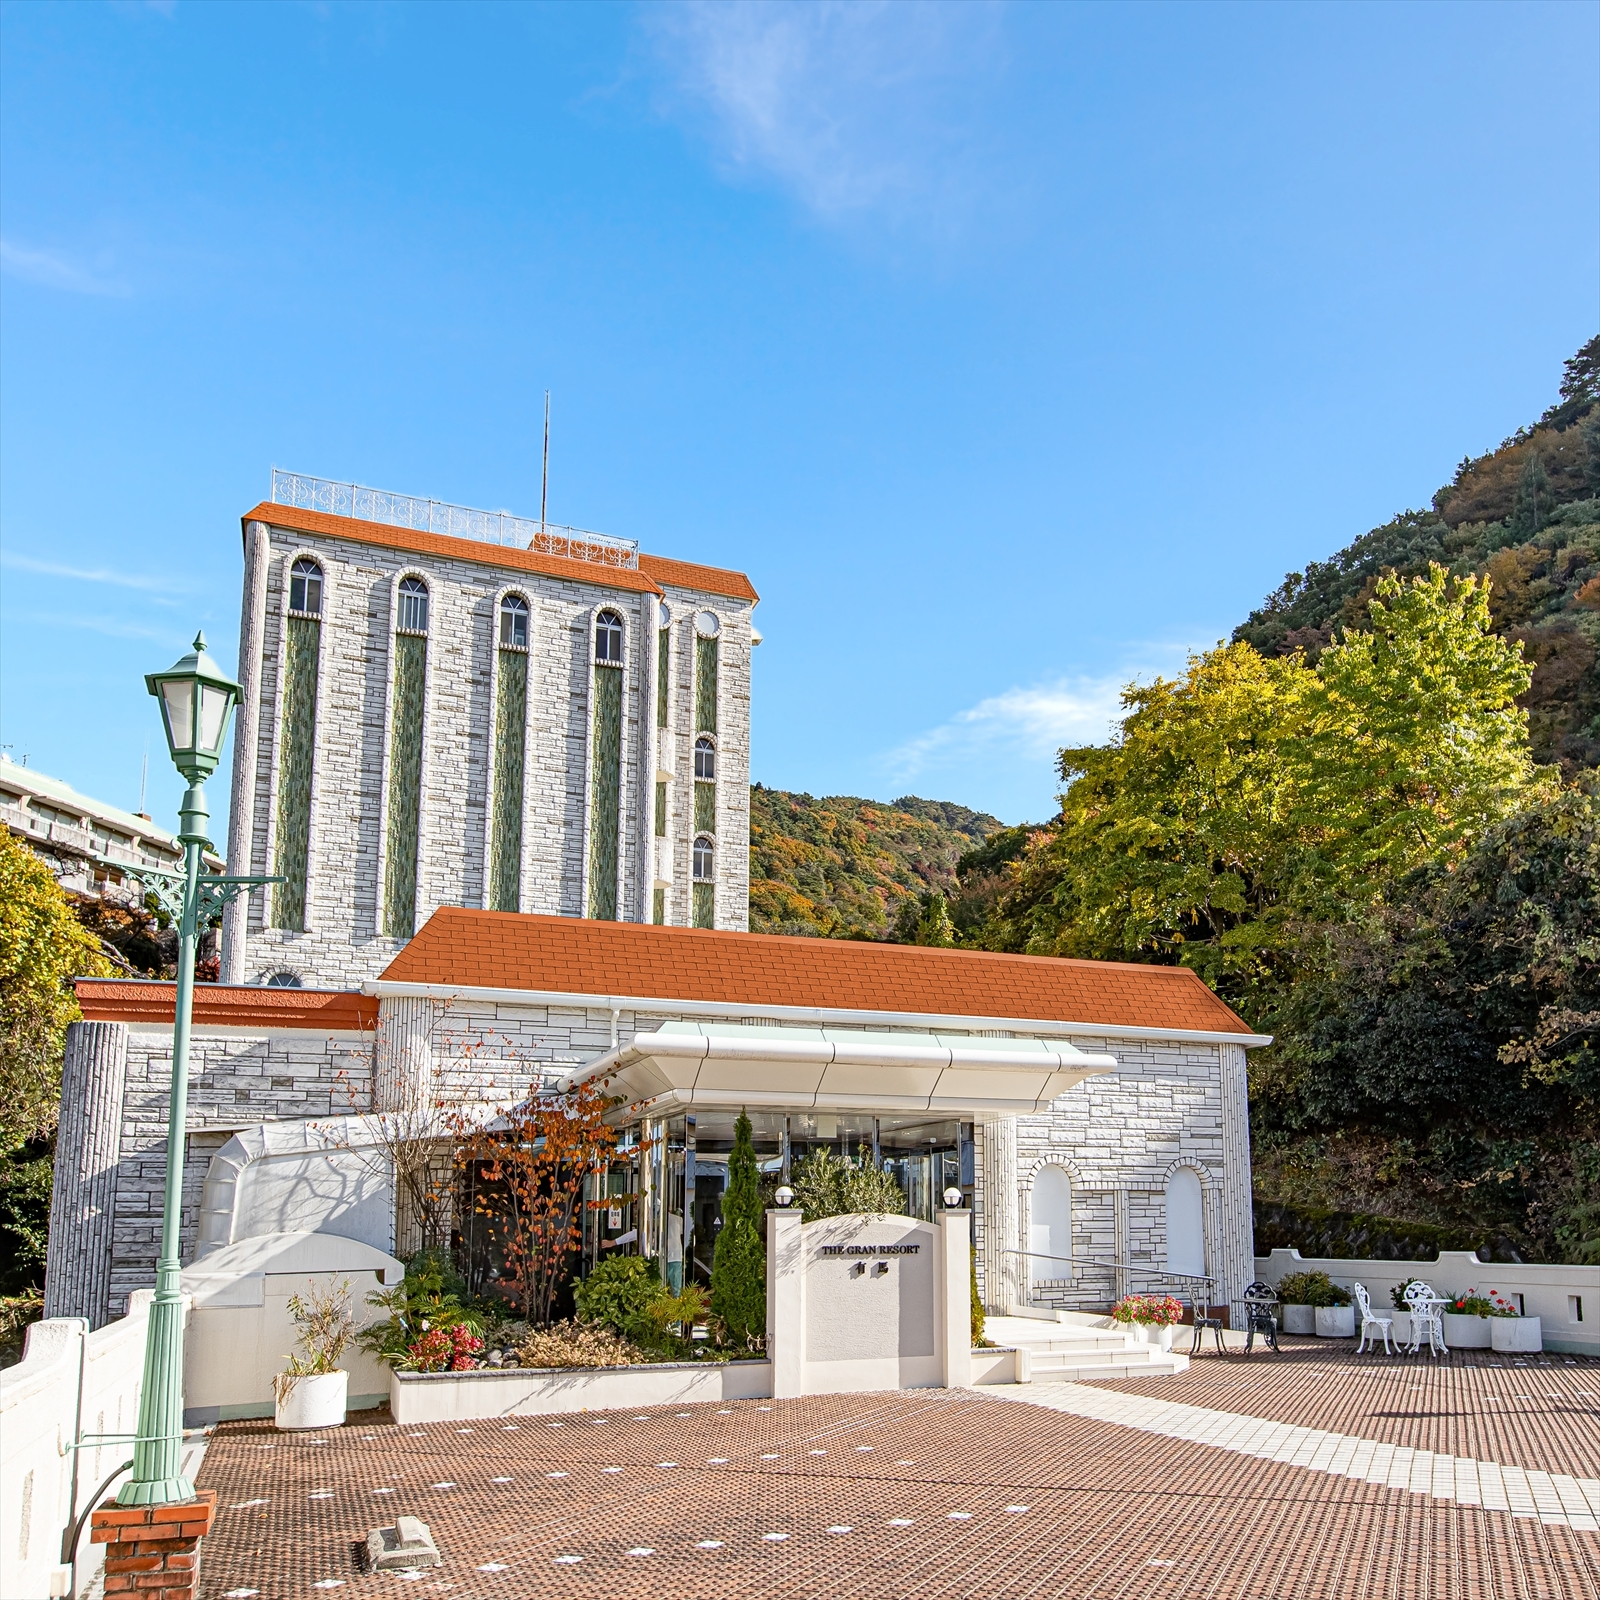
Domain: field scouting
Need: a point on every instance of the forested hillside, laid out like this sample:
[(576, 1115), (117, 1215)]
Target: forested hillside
[(1527, 516), (1372, 823), (848, 868)]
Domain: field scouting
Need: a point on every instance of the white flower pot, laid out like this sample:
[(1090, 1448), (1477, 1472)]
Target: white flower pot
[(312, 1402), (1159, 1337), (1466, 1333), (1515, 1335), (1336, 1322), (1400, 1333), (1299, 1319)]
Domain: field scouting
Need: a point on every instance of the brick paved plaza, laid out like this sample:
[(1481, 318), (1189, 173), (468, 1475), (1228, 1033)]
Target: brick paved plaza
[(963, 1493)]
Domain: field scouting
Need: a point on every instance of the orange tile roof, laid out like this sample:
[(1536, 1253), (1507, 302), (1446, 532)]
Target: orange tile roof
[(504, 950), (647, 579), (219, 1005), (688, 575)]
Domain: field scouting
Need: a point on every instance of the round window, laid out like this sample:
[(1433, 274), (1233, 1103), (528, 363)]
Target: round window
[(707, 624)]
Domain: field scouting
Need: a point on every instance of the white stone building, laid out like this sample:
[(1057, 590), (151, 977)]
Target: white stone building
[(1093, 1114)]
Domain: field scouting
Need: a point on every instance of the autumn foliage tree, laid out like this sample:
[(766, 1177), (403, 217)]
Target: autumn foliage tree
[(537, 1158)]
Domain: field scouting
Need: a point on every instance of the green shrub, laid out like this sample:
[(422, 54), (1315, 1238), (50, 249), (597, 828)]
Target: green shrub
[(826, 1185), (420, 1303), (1312, 1289), (617, 1294)]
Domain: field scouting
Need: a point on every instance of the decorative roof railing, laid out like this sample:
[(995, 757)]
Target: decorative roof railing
[(459, 522)]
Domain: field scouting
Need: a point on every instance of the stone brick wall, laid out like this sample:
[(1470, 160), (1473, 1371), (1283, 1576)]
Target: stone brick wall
[(342, 941)]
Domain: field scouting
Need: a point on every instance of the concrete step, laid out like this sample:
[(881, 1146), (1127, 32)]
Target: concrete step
[(1155, 1365)]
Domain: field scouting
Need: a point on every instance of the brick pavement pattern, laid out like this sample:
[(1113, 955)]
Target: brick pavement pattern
[(920, 1493)]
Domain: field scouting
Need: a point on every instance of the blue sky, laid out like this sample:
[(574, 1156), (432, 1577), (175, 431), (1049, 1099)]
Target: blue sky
[(1014, 351)]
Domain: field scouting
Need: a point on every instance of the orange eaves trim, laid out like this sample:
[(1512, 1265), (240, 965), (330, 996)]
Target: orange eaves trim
[(221, 1005)]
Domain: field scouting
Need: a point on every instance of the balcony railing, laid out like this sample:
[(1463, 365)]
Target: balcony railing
[(459, 522)]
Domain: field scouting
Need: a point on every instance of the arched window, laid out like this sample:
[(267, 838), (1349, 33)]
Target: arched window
[(284, 979), (705, 760), (413, 616), (1050, 1226), (705, 859), (513, 623), (1186, 1226), (608, 639), (305, 587)]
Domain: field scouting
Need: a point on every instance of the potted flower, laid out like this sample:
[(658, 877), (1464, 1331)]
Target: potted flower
[(1510, 1332), (1149, 1317), (1301, 1293), (1466, 1321), (311, 1391)]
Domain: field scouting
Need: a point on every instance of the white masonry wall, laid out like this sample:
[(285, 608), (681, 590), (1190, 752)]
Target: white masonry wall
[(342, 942), (1118, 1137)]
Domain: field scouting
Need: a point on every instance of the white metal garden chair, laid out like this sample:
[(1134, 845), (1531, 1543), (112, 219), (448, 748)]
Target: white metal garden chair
[(1427, 1316), (1372, 1324)]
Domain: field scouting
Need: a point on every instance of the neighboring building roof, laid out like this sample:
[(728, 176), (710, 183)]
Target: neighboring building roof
[(773, 973), (30, 780), (221, 1005), (651, 572)]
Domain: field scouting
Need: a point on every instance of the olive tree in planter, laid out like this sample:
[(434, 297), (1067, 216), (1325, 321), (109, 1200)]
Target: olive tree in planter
[(312, 1390)]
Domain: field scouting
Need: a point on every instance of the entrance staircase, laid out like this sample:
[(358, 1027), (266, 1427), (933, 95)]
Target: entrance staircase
[(1074, 1347)]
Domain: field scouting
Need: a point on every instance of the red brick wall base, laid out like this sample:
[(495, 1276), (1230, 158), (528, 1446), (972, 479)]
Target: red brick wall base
[(153, 1551)]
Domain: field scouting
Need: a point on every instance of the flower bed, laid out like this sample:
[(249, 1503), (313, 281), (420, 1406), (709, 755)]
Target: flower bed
[(417, 1397)]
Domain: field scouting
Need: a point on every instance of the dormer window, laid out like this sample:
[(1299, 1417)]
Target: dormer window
[(705, 760), (413, 606), (608, 639), (305, 587), (513, 623)]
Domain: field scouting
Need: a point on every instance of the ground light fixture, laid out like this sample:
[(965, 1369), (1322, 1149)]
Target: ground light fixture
[(197, 699)]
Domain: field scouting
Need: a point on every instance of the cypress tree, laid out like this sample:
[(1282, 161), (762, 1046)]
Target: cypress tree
[(739, 1267)]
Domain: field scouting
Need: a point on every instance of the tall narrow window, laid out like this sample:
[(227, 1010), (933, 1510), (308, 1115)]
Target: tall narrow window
[(605, 808), (663, 663), (405, 758), (705, 891), (510, 755), (1186, 1229), (658, 907), (705, 785), (1050, 1226), (706, 628), (297, 739), (661, 810)]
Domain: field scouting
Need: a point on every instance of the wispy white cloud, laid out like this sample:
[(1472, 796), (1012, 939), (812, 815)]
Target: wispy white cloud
[(112, 627), (855, 105), (57, 271), (1029, 724), (121, 580)]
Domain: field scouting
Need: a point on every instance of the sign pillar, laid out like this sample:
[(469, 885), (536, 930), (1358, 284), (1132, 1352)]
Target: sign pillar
[(786, 1303)]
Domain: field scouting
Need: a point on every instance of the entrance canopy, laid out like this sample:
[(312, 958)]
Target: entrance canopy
[(725, 1064)]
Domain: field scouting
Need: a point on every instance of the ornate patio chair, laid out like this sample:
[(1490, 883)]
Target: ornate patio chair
[(1260, 1315), (1426, 1310), (1372, 1324), (1200, 1310)]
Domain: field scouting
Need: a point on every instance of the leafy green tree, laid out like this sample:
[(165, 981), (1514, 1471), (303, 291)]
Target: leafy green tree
[(1531, 508), (739, 1267), (826, 1185)]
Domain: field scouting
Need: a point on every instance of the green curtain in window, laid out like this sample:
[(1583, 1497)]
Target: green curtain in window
[(605, 809), (705, 685), (658, 907), (405, 785), (705, 807), (510, 739), (661, 811), (294, 773), (663, 656), (705, 905)]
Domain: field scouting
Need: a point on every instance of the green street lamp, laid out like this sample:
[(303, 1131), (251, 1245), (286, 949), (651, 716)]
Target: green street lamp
[(197, 699)]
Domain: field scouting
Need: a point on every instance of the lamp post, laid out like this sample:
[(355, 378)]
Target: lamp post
[(197, 699)]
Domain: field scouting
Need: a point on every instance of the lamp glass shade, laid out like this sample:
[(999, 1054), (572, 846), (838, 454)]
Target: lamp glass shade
[(215, 702), (177, 705)]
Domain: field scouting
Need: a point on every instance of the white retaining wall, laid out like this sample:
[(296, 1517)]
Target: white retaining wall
[(69, 1382), (1566, 1299)]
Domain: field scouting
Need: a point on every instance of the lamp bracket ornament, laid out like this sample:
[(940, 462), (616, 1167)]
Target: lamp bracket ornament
[(212, 892)]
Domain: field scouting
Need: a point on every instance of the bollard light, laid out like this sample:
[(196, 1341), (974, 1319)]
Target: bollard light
[(953, 1199), (785, 1195)]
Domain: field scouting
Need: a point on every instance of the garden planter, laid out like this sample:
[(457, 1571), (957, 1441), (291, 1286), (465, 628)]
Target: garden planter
[(1515, 1335), (1159, 1336), (1336, 1322), (1467, 1333), (312, 1402), (1401, 1331), (1299, 1319)]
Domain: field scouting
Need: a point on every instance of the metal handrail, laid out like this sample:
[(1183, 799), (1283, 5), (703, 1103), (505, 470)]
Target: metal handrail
[(366, 504), (1204, 1279)]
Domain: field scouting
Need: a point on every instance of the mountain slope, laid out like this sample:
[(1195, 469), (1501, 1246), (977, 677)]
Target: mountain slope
[(1526, 515), (843, 867)]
